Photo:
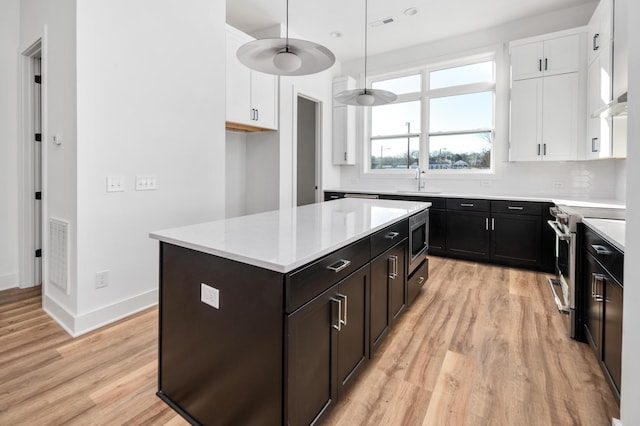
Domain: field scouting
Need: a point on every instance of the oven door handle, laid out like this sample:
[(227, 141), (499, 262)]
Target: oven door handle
[(561, 235)]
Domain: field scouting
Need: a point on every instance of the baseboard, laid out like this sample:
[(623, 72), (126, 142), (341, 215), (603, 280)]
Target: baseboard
[(77, 325), (100, 317), (8, 281)]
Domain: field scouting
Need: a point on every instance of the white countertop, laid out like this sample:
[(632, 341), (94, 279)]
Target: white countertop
[(611, 230), (283, 240), (556, 199)]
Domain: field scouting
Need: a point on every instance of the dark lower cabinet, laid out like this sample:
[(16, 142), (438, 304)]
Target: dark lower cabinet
[(595, 277), (516, 239), (468, 234), (437, 231), (612, 339), (388, 291), (327, 343)]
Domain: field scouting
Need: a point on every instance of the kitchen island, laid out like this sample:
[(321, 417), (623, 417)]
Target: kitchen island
[(265, 319)]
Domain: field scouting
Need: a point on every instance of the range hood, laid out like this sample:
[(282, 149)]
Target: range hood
[(617, 107)]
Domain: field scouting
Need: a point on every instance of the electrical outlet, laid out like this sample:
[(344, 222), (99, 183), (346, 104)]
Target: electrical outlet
[(210, 295), (115, 183), (146, 183), (102, 279)]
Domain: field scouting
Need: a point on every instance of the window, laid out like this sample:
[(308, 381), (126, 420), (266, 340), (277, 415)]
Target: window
[(455, 106)]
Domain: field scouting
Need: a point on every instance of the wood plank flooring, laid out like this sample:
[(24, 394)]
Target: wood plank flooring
[(481, 345)]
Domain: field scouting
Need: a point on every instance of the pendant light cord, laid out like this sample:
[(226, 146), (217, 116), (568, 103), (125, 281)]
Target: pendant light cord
[(287, 27), (366, 5)]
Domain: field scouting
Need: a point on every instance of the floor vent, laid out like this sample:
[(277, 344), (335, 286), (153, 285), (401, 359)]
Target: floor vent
[(58, 256)]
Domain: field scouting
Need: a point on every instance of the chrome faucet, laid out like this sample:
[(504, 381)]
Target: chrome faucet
[(419, 174)]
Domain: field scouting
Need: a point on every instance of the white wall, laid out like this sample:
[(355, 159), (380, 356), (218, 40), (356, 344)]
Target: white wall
[(236, 173), (55, 24), (263, 162), (306, 158), (630, 393), (9, 38), (150, 102), (595, 179)]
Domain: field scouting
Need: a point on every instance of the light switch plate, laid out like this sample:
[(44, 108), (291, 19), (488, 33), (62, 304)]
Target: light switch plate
[(115, 183), (146, 183), (210, 295)]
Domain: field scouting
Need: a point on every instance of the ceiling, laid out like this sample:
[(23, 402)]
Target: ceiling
[(436, 19)]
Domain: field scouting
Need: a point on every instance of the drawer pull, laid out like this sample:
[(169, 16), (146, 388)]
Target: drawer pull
[(601, 249), (339, 265), (515, 208), (421, 281), (391, 235), (466, 204)]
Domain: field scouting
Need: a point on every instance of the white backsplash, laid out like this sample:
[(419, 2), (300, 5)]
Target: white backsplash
[(603, 179)]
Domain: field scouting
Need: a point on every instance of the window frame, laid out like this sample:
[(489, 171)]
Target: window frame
[(424, 96)]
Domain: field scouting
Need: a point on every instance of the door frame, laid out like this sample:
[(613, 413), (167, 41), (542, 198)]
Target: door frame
[(318, 143), (26, 166)]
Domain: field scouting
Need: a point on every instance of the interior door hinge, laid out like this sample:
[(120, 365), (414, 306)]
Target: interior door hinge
[(39, 253), (38, 79), (38, 137), (38, 195)]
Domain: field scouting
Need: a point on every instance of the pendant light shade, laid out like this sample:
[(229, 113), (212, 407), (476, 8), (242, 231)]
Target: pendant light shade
[(285, 56), (366, 97)]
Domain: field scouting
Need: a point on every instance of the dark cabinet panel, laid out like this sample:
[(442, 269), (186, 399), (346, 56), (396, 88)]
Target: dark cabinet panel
[(468, 204), (516, 239), (437, 231), (417, 280), (612, 340), (397, 281), (468, 234), (594, 296)]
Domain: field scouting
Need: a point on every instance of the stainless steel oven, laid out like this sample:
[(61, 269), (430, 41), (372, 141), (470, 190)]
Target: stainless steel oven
[(418, 239)]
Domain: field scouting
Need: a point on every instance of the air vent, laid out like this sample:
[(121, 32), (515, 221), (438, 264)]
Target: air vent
[(58, 254), (381, 22)]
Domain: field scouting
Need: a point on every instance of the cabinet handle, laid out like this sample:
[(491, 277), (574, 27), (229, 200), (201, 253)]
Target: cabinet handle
[(544, 149), (493, 224), (601, 249), (339, 265), (393, 267), (596, 46), (345, 156), (594, 145), (540, 65), (257, 114), (339, 326), (546, 62), (420, 281), (486, 223), (344, 312), (515, 208), (597, 295), (466, 204), (391, 235), (538, 149)]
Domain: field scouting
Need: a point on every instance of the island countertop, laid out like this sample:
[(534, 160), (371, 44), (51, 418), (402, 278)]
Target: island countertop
[(283, 240)]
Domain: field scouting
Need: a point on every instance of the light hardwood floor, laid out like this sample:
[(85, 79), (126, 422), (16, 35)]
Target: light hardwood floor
[(481, 345)]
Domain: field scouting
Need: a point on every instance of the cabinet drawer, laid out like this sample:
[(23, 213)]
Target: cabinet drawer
[(388, 237), (606, 254), (468, 204), (417, 280), (516, 207), (306, 283)]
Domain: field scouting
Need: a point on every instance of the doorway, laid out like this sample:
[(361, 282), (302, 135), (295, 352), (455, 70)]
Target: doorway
[(31, 165), (307, 151)]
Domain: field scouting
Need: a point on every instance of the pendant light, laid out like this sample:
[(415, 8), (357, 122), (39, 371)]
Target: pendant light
[(285, 56), (365, 97)]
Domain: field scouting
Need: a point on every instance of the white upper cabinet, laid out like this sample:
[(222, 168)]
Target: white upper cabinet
[(536, 58), (252, 98), (344, 125), (548, 97)]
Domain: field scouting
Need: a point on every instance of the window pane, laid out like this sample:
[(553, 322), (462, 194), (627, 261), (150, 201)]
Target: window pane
[(395, 119), (398, 154), (460, 152), (462, 112), (466, 74), (401, 85)]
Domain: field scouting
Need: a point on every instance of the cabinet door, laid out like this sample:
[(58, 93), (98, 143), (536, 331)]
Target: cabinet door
[(398, 281), (560, 117), (344, 135), (437, 230), (263, 100), (516, 239), (353, 338), (468, 234), (598, 95), (593, 297), (600, 29), (380, 314), (526, 120), (238, 97), (312, 354), (561, 55), (526, 61), (612, 344)]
